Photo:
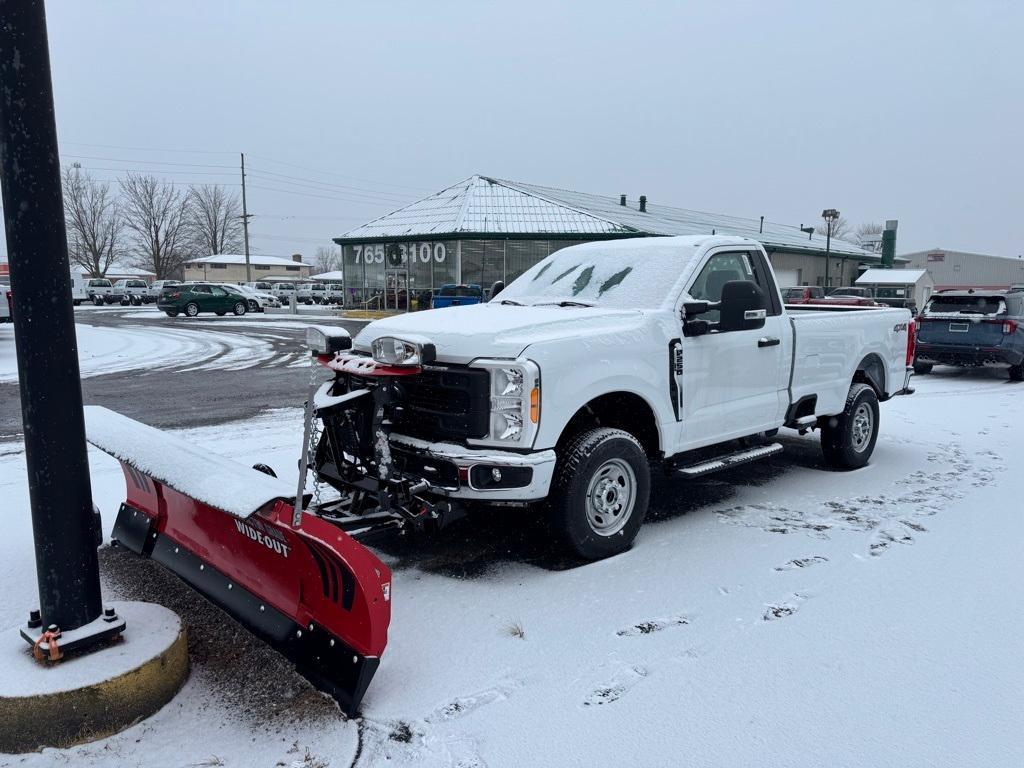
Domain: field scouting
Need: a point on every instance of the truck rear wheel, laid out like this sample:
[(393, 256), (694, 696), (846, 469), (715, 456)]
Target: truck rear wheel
[(920, 369), (847, 440), (1017, 372), (600, 492)]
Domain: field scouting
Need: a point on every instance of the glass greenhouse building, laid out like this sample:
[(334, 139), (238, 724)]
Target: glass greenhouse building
[(483, 229)]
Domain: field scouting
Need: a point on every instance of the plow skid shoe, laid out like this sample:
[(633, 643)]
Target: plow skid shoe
[(314, 593)]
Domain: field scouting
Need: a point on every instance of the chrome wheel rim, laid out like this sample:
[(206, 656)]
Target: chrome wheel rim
[(191, 310), (611, 496), (863, 427)]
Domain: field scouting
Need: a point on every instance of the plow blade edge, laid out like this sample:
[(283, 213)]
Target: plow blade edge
[(317, 595)]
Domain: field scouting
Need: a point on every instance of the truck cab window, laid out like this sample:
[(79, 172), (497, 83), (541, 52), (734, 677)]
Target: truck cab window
[(721, 269)]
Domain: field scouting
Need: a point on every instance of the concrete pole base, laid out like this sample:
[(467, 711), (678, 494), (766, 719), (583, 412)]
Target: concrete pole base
[(95, 694)]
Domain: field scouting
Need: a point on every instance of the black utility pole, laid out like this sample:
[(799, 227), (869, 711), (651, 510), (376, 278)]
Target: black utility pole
[(63, 523), (245, 228)]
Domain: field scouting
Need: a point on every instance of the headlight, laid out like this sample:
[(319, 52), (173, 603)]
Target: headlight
[(515, 402), (389, 350), (326, 340)]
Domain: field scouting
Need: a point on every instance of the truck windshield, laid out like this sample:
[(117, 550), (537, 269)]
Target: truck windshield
[(644, 275), (965, 305)]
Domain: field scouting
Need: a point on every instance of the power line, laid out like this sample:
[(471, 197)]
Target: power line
[(329, 190), (340, 175), (322, 197), (339, 187), (151, 162), (149, 149)]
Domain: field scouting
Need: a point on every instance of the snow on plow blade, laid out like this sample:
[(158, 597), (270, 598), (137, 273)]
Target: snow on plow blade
[(313, 592)]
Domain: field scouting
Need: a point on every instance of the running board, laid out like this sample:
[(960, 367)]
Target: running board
[(730, 460)]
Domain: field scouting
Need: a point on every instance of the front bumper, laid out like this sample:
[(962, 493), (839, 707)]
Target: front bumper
[(976, 356), (465, 473)]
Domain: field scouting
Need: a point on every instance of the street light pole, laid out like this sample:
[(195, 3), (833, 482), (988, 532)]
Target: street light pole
[(830, 215), (64, 525)]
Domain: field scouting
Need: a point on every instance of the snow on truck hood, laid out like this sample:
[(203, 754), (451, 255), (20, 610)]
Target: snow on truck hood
[(462, 334)]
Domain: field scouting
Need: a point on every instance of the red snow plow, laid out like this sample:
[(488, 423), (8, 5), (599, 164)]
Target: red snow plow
[(288, 564)]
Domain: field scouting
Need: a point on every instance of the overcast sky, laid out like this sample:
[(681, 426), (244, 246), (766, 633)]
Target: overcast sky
[(908, 110)]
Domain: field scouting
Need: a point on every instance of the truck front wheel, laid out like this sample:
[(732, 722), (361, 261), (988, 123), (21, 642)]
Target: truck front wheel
[(847, 440), (600, 492)]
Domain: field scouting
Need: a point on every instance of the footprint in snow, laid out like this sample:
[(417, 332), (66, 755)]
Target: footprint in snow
[(652, 625), (614, 689), (463, 705), (801, 562), (775, 611)]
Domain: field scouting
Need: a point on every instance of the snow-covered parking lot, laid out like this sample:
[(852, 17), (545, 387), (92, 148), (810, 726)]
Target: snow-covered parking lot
[(778, 615)]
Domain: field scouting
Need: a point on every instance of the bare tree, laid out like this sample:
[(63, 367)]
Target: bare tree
[(840, 228), (326, 259), (214, 220), (95, 226), (869, 228), (158, 216)]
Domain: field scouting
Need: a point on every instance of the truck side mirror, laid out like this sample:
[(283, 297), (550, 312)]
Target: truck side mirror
[(692, 326), (743, 306), (497, 287)]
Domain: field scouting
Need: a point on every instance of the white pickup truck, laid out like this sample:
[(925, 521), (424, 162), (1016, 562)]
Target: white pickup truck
[(598, 363)]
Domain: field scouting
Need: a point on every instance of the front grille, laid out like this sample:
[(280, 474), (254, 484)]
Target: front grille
[(453, 403)]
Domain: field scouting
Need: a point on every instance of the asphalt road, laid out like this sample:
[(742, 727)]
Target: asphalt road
[(176, 397)]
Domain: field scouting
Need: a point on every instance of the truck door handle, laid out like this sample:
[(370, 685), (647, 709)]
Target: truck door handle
[(768, 341)]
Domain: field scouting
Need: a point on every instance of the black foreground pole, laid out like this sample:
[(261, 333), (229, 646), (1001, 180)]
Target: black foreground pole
[(63, 522)]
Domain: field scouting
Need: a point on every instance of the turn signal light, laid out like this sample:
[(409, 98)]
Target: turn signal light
[(535, 405), (1009, 326)]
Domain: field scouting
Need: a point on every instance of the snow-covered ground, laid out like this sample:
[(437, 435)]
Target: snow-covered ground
[(113, 349), (778, 615)]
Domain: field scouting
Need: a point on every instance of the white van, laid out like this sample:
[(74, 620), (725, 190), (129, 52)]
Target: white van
[(79, 293)]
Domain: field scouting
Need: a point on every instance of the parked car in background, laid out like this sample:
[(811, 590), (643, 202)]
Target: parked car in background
[(801, 294), (6, 304), (101, 291), (256, 301), (335, 294), (260, 285), (200, 297), (134, 291), (304, 293), (972, 328), (896, 296), (457, 295), (318, 293), (284, 292), (157, 287)]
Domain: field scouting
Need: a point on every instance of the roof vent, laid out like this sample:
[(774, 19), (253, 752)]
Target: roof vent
[(643, 203), (622, 200)]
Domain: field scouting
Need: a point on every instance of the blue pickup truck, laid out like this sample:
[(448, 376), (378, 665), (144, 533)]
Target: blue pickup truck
[(453, 295), (972, 328)]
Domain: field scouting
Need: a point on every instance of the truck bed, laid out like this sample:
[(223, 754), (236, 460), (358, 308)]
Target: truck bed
[(831, 342)]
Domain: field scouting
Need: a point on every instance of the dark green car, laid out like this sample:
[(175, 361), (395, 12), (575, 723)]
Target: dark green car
[(193, 298)]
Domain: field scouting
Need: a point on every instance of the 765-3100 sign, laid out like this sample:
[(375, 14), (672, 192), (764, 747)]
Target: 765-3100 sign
[(400, 253)]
